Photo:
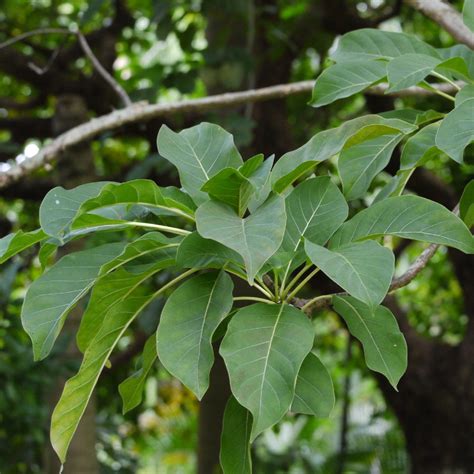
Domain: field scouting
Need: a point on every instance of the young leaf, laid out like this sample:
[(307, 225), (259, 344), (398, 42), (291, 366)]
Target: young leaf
[(363, 269), (346, 79), (199, 153), (359, 164), (263, 350), (457, 130), (376, 328), (50, 297), (410, 217), (466, 205), (59, 207), (78, 389), (256, 238), (188, 321), (314, 391), (420, 148), (468, 14), (131, 389), (377, 44), (16, 242), (235, 456)]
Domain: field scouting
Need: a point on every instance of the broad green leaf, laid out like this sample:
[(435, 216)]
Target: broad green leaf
[(314, 391), (151, 251), (140, 192), (78, 389), (235, 455), (420, 148), (466, 93), (316, 209), (455, 68), (468, 14), (50, 297), (413, 116), (363, 269), (330, 142), (346, 79), (410, 217), (188, 321), (376, 328), (359, 164), (256, 238), (376, 44), (16, 242), (131, 389), (395, 185), (410, 69), (59, 207), (261, 181), (198, 153), (263, 350), (466, 205), (456, 131), (460, 51), (197, 252)]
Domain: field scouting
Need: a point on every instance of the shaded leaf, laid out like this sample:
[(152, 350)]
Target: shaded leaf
[(16, 242), (466, 205), (420, 148)]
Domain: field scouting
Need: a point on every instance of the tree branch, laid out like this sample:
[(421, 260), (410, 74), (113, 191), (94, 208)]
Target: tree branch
[(143, 111), (447, 17)]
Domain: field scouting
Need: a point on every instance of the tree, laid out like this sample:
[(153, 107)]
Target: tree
[(247, 250)]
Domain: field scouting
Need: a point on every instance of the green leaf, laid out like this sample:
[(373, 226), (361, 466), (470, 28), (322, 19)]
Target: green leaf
[(420, 148), (198, 153), (410, 69), (413, 116), (346, 79), (50, 297), (139, 192), (460, 51), (377, 44), (188, 321), (363, 269), (78, 389), (409, 217), (330, 142), (466, 93), (314, 392), (131, 389), (16, 242), (316, 209), (197, 252), (384, 346), (256, 238), (466, 205), (60, 206), (235, 455), (359, 164), (263, 350), (457, 130), (468, 14), (261, 181), (151, 251)]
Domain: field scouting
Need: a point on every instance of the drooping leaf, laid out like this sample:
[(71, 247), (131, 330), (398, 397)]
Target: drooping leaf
[(359, 164), (16, 242), (376, 328), (198, 153), (457, 130), (188, 321), (263, 359), (377, 44), (256, 238), (466, 93), (363, 269), (50, 297), (346, 79), (468, 14), (78, 389), (410, 217), (131, 389), (59, 207), (466, 205), (235, 456), (420, 148), (314, 391)]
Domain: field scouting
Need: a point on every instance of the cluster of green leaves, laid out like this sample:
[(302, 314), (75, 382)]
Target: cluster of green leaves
[(273, 226)]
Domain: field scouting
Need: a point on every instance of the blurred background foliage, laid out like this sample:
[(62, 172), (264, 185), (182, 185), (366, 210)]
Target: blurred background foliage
[(169, 50)]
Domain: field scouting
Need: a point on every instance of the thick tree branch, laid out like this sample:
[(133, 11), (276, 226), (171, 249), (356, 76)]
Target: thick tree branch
[(447, 17), (143, 112)]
